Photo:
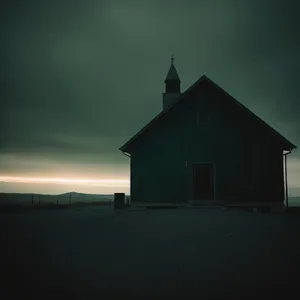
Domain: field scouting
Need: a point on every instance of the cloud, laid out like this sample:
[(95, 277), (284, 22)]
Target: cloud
[(79, 80)]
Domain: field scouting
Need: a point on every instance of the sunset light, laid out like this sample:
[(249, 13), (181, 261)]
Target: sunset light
[(98, 182)]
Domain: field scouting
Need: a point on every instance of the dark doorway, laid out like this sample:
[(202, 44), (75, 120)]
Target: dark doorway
[(203, 181)]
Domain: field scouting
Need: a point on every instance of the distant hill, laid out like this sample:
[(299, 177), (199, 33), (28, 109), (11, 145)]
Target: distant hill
[(28, 199), (83, 194), (57, 195)]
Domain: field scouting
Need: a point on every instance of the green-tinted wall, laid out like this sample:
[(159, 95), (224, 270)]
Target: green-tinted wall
[(248, 166)]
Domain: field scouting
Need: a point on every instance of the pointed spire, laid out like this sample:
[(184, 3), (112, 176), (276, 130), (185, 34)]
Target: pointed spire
[(172, 85), (172, 80), (172, 73)]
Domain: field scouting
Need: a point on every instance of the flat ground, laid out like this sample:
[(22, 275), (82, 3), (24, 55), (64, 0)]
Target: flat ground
[(96, 253)]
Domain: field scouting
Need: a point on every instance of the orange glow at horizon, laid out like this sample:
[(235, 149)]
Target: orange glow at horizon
[(36, 180)]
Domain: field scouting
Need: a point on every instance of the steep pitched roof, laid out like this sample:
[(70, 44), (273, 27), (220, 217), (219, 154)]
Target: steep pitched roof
[(229, 97), (172, 74)]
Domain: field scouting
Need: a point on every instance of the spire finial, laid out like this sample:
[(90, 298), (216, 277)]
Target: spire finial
[(172, 59)]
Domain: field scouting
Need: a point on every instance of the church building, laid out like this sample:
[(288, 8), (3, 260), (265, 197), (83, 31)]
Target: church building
[(206, 147)]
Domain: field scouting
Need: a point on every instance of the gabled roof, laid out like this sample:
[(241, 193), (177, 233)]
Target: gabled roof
[(229, 97)]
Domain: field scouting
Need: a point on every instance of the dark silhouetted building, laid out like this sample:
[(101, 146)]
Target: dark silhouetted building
[(206, 146)]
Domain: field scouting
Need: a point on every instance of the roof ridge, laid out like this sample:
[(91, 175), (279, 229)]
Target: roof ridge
[(202, 78), (182, 95)]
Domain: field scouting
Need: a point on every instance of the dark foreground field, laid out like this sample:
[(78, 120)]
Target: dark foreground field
[(95, 253)]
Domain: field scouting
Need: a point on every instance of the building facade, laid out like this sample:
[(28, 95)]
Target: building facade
[(206, 146)]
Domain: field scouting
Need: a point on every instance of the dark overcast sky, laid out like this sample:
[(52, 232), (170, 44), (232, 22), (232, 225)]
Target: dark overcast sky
[(81, 77)]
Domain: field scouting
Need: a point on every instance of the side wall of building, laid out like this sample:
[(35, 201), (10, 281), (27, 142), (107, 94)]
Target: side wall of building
[(204, 128)]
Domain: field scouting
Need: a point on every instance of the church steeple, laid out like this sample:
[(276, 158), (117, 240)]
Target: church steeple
[(172, 85), (172, 81)]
